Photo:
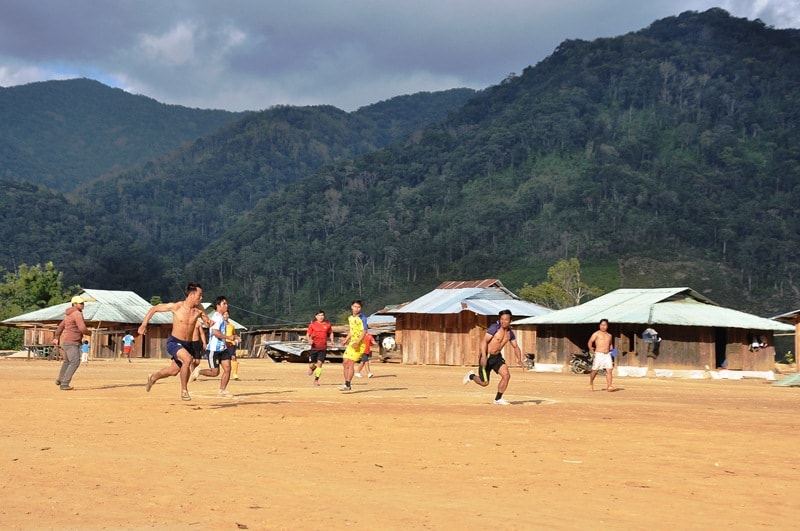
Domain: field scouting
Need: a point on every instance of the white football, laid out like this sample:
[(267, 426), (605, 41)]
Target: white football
[(388, 343)]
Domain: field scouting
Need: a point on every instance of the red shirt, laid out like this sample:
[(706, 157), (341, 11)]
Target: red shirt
[(319, 332)]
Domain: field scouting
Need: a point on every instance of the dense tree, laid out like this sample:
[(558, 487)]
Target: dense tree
[(676, 144), (64, 133), (25, 290), (563, 287)]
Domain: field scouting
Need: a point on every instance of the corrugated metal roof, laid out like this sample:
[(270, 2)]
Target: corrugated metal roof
[(486, 297), (671, 306), (788, 317), (103, 306)]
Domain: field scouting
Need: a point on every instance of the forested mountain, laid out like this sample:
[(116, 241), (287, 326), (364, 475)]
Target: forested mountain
[(138, 228), (677, 144), (64, 133), (667, 156), (39, 225)]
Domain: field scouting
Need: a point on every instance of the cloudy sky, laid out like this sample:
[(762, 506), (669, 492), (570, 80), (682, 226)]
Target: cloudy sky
[(253, 54)]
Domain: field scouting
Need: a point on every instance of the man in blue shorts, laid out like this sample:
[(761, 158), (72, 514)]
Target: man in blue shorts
[(179, 344), (491, 358)]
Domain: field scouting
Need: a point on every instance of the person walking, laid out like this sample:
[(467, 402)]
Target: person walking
[(366, 357), (357, 329), (127, 344), (73, 329), (85, 353), (184, 316), (491, 359), (318, 334), (231, 344), (600, 345)]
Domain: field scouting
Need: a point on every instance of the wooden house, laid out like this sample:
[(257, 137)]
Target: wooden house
[(665, 328), (792, 318), (447, 325), (108, 316)]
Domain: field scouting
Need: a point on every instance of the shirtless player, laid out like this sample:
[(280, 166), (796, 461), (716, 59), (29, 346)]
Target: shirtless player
[(600, 347), (491, 359), (184, 316)]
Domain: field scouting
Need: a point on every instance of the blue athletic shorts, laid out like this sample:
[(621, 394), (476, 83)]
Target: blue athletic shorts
[(174, 345)]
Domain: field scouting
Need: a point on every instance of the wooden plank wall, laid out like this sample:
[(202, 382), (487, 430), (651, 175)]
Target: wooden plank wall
[(682, 347), (452, 339), (455, 340)]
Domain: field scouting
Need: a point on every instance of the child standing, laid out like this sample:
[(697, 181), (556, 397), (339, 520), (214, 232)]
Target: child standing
[(85, 352)]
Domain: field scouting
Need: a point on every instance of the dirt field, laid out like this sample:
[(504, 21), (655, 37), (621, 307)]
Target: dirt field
[(410, 448)]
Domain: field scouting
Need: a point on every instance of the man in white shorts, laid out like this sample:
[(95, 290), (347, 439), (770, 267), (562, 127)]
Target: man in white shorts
[(600, 347)]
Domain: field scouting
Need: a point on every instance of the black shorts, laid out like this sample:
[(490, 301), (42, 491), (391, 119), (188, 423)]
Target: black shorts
[(315, 356), (214, 358), (196, 349), (365, 357), (232, 351), (493, 363)]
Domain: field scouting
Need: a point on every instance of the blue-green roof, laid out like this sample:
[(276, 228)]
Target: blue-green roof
[(668, 306), (102, 306)]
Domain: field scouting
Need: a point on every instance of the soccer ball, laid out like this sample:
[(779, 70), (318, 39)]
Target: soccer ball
[(388, 343)]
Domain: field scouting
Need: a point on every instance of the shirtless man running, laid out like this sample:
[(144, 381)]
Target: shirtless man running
[(600, 347), (198, 343), (491, 358), (179, 344)]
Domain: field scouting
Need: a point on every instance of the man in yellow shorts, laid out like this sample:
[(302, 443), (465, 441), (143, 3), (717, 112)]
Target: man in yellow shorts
[(354, 341)]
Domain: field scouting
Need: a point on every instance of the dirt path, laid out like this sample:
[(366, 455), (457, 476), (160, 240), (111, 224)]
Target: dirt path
[(412, 447)]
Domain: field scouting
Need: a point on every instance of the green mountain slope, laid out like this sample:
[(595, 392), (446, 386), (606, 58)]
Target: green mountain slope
[(64, 133), (674, 143), (142, 225)]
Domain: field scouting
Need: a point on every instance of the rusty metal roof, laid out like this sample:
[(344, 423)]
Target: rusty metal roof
[(788, 317), (670, 306), (483, 297)]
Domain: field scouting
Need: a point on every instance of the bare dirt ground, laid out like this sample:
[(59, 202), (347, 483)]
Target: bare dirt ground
[(410, 448)]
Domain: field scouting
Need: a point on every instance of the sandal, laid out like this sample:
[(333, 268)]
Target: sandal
[(185, 395)]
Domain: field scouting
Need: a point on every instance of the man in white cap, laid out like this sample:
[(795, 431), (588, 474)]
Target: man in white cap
[(73, 328)]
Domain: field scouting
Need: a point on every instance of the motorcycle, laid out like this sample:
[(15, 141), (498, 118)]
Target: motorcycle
[(529, 361), (581, 363)]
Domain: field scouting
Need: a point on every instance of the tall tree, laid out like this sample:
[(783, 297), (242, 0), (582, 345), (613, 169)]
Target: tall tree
[(563, 287), (25, 290)]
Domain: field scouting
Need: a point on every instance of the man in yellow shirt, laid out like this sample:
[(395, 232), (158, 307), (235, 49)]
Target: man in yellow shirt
[(355, 343)]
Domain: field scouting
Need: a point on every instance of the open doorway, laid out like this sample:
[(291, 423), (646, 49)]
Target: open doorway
[(720, 344)]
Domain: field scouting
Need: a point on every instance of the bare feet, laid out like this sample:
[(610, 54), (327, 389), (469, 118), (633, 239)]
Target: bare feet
[(611, 389)]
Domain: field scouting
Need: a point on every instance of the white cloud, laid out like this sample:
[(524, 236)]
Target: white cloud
[(241, 54), (175, 47)]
